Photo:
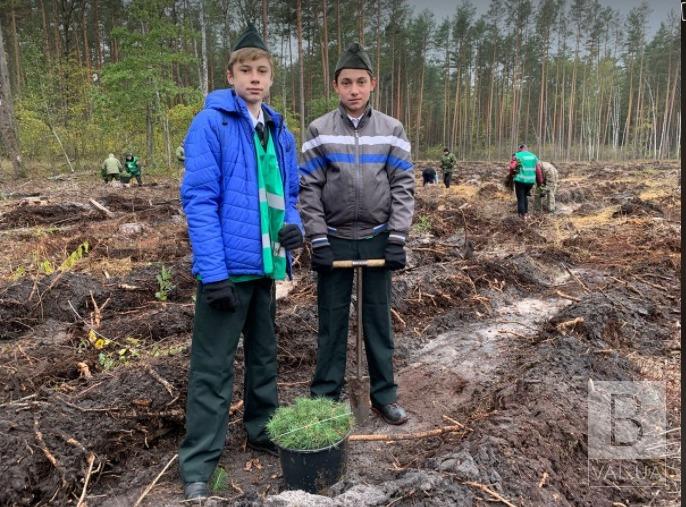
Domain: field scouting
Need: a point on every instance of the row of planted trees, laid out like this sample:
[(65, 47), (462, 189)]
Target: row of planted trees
[(575, 79)]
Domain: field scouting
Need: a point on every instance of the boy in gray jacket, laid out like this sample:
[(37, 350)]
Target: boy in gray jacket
[(356, 202)]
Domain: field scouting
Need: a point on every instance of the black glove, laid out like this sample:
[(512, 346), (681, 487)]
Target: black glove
[(221, 295), (322, 259), (290, 237), (395, 256)]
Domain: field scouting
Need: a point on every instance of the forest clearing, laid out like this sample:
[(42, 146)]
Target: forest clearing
[(502, 338)]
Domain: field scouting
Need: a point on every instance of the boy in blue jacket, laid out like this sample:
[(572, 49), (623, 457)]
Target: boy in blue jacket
[(239, 194)]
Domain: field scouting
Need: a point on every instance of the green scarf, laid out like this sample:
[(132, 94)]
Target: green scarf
[(272, 212)]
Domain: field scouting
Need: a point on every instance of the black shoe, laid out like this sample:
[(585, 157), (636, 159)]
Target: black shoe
[(391, 413), (196, 490), (266, 446)]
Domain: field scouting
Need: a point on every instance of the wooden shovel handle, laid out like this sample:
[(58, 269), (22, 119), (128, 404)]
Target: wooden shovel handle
[(362, 263)]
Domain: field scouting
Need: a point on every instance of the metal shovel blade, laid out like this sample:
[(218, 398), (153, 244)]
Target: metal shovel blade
[(359, 400)]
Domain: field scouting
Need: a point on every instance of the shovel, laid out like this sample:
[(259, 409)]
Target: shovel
[(359, 389)]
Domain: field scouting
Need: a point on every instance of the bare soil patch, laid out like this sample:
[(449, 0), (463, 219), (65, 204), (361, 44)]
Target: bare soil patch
[(500, 325)]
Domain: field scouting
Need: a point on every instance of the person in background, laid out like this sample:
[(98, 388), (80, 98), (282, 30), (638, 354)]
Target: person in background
[(523, 168), (429, 176), (546, 187), (111, 168), (132, 166), (448, 162)]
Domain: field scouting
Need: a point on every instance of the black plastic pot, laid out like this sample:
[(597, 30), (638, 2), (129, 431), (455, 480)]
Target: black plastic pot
[(313, 470)]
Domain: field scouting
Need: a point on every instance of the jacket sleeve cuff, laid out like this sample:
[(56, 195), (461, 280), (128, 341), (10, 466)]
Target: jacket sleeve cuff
[(396, 237), (319, 241)]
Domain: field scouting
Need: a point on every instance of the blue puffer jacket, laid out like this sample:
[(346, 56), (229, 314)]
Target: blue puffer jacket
[(219, 191)]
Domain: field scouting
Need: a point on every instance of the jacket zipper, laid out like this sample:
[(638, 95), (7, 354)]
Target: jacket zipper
[(358, 184)]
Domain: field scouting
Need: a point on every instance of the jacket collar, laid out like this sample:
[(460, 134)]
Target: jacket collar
[(227, 100), (363, 120)]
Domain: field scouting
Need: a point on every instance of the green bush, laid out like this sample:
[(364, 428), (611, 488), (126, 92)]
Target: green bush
[(310, 423)]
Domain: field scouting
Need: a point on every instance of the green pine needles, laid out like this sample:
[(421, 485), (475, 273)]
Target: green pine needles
[(310, 424)]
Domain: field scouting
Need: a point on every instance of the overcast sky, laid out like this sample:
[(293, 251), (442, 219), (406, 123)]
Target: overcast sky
[(660, 8)]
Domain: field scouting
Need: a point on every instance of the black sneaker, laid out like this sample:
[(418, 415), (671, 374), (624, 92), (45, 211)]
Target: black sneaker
[(196, 490), (391, 413), (265, 446)]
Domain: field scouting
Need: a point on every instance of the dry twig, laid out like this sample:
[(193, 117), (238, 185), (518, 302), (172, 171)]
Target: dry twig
[(152, 484), (91, 460), (406, 436), (493, 494), (158, 377), (567, 296), (43, 447)]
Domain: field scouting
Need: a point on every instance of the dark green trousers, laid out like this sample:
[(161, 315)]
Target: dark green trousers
[(333, 297), (210, 381)]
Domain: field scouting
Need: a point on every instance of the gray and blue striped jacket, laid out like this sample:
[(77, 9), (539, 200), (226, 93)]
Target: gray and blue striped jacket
[(356, 182)]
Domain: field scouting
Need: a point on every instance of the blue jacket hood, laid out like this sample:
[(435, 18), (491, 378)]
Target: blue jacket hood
[(228, 101)]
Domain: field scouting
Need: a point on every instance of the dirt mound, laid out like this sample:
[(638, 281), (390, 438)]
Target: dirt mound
[(70, 296), (488, 191), (571, 195), (126, 410), (53, 214), (617, 318), (637, 206)]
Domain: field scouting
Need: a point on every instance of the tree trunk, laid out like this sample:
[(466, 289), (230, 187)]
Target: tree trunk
[(377, 97), (360, 21), (446, 81), (46, 31), (8, 130), (204, 87), (301, 62), (325, 49), (265, 22), (18, 78), (149, 133), (639, 106), (418, 127), (339, 35), (627, 124), (86, 47), (58, 37), (96, 31)]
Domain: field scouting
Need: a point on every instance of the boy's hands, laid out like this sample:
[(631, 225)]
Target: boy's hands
[(322, 258), (290, 237), (221, 295), (395, 256)]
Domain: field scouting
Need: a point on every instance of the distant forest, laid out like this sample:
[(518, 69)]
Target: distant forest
[(574, 79)]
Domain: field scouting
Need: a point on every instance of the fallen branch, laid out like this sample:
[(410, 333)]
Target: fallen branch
[(490, 492), (101, 208), (563, 326), (583, 285), (158, 377), (152, 484), (43, 447), (567, 296), (91, 460), (405, 436), (397, 316), (454, 421)]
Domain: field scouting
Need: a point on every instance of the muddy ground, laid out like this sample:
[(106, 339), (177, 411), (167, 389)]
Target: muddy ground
[(501, 325)]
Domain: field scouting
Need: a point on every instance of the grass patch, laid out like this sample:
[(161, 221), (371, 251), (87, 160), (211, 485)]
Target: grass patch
[(603, 217), (219, 481), (310, 423)]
